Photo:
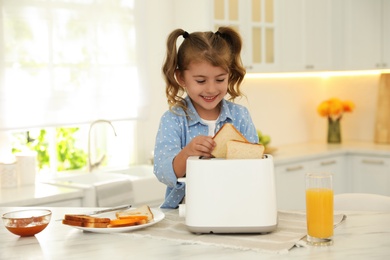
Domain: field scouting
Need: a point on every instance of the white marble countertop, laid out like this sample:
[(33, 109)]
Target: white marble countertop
[(361, 236), (38, 194), (314, 150)]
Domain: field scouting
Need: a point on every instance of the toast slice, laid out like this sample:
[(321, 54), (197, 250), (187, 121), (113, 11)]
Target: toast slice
[(85, 224), (72, 222), (244, 150), (227, 133), (86, 218), (85, 221), (140, 211), (95, 224)]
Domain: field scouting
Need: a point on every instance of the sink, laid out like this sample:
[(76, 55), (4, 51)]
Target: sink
[(136, 185), (100, 189), (83, 180), (92, 184), (146, 187)]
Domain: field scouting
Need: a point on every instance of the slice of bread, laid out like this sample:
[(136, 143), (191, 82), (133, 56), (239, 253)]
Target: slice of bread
[(227, 133), (72, 222), (85, 221), (140, 211), (86, 218), (95, 224), (244, 150), (85, 224)]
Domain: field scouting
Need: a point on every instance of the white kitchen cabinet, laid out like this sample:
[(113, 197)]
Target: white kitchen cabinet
[(335, 165), (298, 35), (386, 33), (366, 41), (306, 38), (320, 35), (290, 185), (370, 174), (290, 179), (257, 22)]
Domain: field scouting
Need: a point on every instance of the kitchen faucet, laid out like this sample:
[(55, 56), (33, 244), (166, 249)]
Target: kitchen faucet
[(91, 165)]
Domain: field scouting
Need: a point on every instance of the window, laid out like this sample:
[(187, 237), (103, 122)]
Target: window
[(66, 148), (67, 63)]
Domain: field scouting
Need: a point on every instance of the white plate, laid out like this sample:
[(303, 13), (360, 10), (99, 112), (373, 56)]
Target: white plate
[(158, 216)]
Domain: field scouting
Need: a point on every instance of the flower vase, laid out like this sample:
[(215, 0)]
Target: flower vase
[(334, 131)]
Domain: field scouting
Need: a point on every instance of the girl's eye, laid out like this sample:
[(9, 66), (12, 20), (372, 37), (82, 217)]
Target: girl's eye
[(202, 81)]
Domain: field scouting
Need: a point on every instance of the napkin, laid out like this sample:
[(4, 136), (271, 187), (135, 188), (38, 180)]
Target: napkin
[(289, 233)]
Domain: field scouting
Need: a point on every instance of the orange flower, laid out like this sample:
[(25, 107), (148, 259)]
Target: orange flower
[(348, 106), (323, 109), (334, 107)]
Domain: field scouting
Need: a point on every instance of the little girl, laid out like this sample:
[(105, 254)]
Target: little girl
[(207, 66)]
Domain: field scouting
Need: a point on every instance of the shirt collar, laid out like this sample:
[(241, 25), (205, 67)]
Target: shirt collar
[(194, 117)]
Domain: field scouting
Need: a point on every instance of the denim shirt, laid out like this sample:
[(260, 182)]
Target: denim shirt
[(176, 131)]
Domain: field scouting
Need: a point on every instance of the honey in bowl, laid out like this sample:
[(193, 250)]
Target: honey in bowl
[(27, 222)]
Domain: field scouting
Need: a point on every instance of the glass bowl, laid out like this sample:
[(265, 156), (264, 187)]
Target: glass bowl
[(27, 222)]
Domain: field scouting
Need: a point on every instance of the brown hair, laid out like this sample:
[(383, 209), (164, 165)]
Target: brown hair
[(220, 49)]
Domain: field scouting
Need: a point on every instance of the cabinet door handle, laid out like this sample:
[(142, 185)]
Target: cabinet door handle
[(377, 162), (328, 162), (294, 168)]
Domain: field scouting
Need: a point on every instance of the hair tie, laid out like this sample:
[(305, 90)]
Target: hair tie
[(185, 35), (218, 33)]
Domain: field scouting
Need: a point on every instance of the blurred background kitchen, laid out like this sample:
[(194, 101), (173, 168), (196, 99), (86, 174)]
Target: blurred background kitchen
[(67, 63)]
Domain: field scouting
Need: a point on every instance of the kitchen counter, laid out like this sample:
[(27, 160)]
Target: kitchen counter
[(314, 150), (38, 194), (361, 236)]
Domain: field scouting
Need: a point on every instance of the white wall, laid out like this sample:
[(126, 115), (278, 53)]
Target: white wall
[(160, 22), (284, 108)]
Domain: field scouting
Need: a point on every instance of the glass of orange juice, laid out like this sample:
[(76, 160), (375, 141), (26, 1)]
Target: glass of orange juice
[(319, 208)]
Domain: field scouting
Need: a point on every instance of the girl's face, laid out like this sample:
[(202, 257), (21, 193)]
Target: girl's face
[(206, 85)]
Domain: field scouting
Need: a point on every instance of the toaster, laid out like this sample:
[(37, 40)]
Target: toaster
[(230, 195)]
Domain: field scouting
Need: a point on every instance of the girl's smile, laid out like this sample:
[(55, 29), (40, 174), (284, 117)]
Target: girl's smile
[(209, 99)]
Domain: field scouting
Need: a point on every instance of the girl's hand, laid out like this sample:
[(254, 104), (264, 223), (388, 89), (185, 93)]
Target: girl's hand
[(200, 146)]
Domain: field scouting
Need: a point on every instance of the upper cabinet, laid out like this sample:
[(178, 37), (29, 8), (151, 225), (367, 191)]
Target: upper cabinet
[(366, 34), (323, 35), (306, 37), (257, 22), (386, 33), (281, 35), (298, 35)]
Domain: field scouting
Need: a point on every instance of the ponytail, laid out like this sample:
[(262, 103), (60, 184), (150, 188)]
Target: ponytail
[(237, 70), (173, 89)]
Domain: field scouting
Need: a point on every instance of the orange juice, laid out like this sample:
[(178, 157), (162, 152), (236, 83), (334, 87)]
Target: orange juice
[(319, 212)]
